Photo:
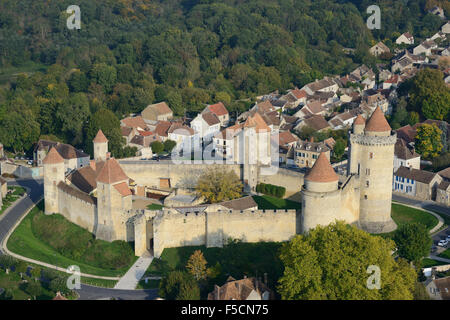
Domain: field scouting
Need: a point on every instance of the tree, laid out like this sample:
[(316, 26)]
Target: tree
[(332, 262), (157, 147), (428, 140), (169, 145), (413, 242), (34, 289), (179, 285), (430, 95), (196, 265), (339, 149), (218, 184)]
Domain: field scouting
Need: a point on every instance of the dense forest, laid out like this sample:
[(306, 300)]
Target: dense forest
[(65, 84)]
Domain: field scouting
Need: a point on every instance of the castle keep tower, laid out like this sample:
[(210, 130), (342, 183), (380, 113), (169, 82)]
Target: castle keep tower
[(372, 158), (320, 195), (113, 199), (53, 174), (100, 146)]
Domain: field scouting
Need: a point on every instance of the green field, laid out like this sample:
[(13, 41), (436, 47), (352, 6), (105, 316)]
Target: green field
[(272, 203), (68, 244), (402, 214), (427, 263), (154, 206), (445, 254)]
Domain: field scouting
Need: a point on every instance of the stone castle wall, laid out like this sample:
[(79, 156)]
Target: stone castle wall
[(212, 229), (78, 211)]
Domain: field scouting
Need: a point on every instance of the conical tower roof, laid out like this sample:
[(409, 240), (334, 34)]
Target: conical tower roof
[(377, 122), (322, 171), (53, 157), (111, 172), (359, 120), (100, 137)]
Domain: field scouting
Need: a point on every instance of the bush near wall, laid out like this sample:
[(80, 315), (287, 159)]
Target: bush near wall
[(271, 190)]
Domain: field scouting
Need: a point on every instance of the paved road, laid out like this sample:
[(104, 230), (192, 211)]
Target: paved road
[(95, 293), (9, 219), (428, 205)]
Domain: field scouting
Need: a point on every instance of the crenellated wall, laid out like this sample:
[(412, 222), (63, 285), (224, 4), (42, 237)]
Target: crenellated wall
[(170, 229)]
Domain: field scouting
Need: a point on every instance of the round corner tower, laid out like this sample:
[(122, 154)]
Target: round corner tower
[(372, 158), (53, 175), (100, 146), (320, 195)]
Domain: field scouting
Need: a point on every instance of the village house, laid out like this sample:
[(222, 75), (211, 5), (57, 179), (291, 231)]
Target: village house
[(379, 49), (425, 48), (183, 136), (206, 125), (445, 174), (420, 184), (405, 155), (244, 289), (73, 158), (316, 122), (406, 38), (294, 98), (407, 133), (394, 81), (312, 108), (220, 111), (307, 152), (162, 130), (437, 11), (285, 141), (438, 289), (325, 85), (343, 120), (157, 112), (446, 28), (443, 193)]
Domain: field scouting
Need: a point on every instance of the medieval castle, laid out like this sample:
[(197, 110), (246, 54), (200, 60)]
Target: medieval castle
[(100, 196)]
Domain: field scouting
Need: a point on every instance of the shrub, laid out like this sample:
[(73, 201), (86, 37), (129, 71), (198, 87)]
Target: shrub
[(179, 285), (271, 190)]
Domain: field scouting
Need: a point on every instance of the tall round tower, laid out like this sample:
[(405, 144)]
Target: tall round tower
[(320, 195), (53, 174), (100, 146), (372, 158)]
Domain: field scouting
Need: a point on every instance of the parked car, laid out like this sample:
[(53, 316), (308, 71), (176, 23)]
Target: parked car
[(443, 243), (448, 238)]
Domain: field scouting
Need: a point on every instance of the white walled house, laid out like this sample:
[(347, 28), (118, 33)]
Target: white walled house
[(405, 38), (405, 156), (206, 125)]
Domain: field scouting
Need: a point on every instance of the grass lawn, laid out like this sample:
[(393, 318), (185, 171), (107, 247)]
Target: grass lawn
[(151, 284), (154, 206), (13, 283), (235, 259), (402, 214), (427, 263), (63, 241), (271, 203), (12, 197), (445, 254)]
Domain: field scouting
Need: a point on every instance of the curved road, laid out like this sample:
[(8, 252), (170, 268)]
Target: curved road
[(36, 191)]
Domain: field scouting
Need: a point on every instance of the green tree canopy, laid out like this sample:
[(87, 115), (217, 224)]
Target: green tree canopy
[(217, 184), (428, 140), (413, 242), (179, 285), (331, 263)]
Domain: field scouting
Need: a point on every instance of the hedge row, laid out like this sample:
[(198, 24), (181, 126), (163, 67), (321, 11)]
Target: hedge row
[(271, 190)]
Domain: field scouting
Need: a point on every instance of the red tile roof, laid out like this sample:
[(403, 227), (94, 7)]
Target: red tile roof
[(100, 137), (123, 189), (218, 109), (53, 157), (377, 122), (134, 122), (322, 171), (111, 172)]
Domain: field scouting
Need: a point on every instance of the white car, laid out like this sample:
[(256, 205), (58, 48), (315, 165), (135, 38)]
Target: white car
[(443, 243)]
